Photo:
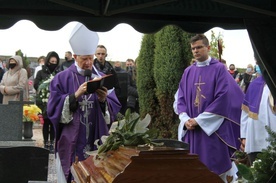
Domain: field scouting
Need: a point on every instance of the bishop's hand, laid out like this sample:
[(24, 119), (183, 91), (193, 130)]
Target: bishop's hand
[(102, 94), (81, 90)]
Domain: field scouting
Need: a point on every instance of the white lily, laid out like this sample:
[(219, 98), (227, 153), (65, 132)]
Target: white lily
[(114, 126), (141, 126)]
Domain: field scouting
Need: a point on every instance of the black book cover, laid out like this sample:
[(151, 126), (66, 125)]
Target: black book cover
[(107, 81)]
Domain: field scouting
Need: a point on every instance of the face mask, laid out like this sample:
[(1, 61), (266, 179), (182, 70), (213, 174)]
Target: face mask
[(129, 68), (52, 67), (12, 65), (258, 70), (248, 70)]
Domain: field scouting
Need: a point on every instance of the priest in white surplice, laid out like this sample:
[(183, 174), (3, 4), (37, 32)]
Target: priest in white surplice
[(208, 103), (258, 111)]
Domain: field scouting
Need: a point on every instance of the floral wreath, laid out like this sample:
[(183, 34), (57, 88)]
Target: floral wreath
[(44, 91)]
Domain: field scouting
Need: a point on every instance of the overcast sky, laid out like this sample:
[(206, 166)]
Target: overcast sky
[(122, 42), (238, 49)]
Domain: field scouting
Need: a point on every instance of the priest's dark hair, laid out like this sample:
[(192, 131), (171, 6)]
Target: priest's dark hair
[(200, 37)]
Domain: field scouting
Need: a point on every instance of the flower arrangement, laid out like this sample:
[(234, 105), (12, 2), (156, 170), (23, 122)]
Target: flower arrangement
[(43, 90), (31, 113), (130, 131)]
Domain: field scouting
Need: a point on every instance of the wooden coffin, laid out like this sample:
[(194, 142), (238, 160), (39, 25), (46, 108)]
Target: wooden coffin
[(147, 165)]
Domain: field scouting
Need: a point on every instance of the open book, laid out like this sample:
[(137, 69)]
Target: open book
[(107, 81)]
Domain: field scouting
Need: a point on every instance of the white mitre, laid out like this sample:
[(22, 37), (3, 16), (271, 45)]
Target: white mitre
[(83, 41)]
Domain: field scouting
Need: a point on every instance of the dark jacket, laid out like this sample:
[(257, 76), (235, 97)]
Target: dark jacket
[(43, 75), (132, 99), (66, 64), (119, 70), (107, 68), (45, 72)]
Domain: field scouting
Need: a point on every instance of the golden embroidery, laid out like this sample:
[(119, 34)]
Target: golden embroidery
[(250, 113), (198, 94), (229, 178), (271, 103)]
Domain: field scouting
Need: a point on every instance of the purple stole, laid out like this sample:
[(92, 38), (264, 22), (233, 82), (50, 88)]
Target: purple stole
[(253, 96)]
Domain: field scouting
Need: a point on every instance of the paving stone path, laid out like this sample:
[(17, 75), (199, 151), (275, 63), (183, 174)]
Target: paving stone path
[(37, 136)]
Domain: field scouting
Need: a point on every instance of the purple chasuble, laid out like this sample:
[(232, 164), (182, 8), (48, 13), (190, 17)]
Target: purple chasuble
[(71, 140), (212, 89), (252, 106)]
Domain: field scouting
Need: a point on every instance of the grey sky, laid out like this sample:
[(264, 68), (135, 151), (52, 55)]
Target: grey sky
[(122, 42)]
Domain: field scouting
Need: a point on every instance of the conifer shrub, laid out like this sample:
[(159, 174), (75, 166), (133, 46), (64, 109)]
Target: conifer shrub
[(161, 62)]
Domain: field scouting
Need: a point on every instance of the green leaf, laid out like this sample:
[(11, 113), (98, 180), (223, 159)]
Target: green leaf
[(134, 140), (124, 132), (132, 124), (245, 172), (127, 114), (116, 145), (102, 148)]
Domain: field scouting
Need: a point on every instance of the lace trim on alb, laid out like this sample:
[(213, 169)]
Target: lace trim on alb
[(66, 114)]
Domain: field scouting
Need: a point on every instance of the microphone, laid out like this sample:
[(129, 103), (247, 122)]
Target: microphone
[(87, 74)]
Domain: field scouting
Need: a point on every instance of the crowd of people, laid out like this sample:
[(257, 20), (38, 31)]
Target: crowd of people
[(245, 78), (220, 110)]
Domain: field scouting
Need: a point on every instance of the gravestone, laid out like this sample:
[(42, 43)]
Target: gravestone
[(11, 120), (20, 161), (21, 164)]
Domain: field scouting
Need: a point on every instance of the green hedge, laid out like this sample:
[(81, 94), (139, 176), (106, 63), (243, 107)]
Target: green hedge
[(161, 62)]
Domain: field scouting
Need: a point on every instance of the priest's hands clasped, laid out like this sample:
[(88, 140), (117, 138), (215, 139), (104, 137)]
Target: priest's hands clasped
[(191, 124)]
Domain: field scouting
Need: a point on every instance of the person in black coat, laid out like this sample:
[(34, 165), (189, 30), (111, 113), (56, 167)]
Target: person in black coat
[(69, 60), (50, 68), (104, 66), (132, 99), (122, 92)]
